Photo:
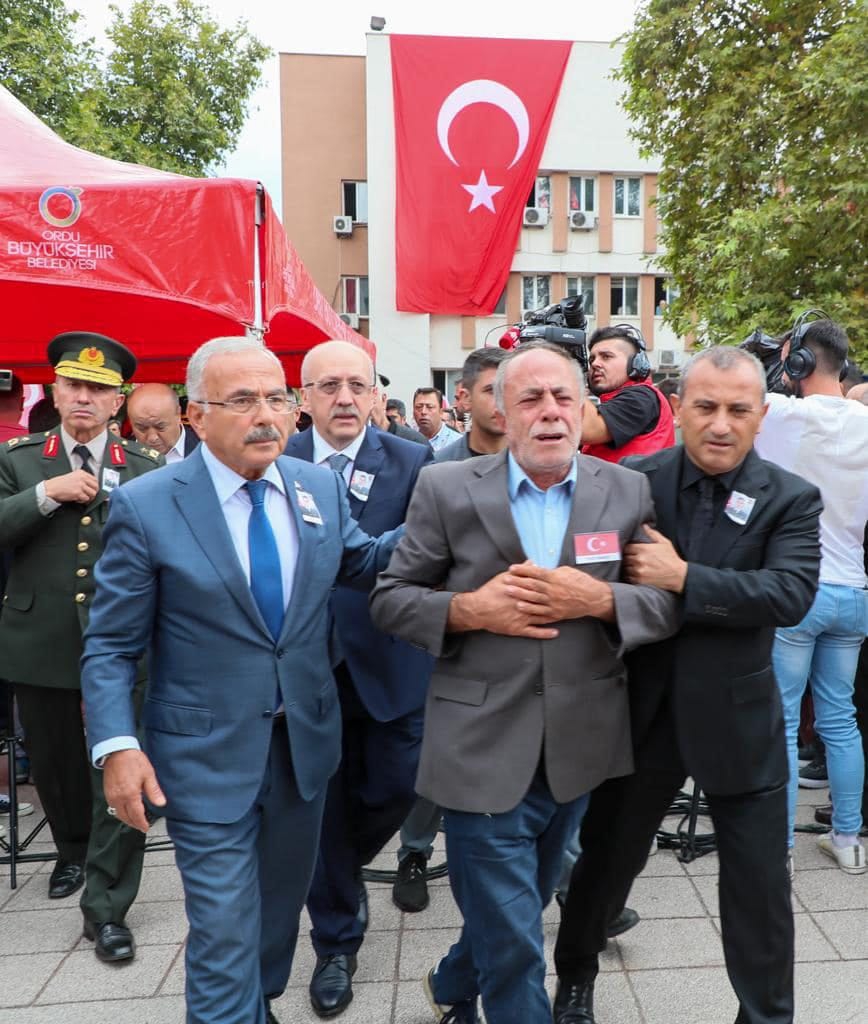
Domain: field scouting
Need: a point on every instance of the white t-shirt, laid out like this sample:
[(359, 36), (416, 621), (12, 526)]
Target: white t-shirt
[(825, 440)]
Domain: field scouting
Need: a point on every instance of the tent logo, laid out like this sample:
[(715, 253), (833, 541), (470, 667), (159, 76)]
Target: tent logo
[(69, 203)]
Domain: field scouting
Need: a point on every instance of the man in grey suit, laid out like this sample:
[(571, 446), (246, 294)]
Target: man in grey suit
[(510, 575)]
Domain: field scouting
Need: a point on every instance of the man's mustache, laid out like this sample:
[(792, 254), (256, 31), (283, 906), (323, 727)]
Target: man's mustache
[(260, 434)]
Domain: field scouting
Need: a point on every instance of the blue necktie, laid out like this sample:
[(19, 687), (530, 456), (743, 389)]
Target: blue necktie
[(265, 577)]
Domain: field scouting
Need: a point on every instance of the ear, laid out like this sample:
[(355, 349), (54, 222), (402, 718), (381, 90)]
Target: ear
[(675, 402), (305, 401), (196, 418)]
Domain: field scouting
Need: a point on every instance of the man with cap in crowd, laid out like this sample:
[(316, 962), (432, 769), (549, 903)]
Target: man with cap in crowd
[(55, 489), (154, 412)]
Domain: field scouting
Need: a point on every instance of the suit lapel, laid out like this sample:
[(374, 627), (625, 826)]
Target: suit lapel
[(307, 536), (752, 481), (665, 481), (369, 460), (589, 500), (197, 501), (489, 491)]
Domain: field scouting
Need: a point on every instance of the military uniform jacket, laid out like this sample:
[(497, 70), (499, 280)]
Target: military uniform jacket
[(50, 585)]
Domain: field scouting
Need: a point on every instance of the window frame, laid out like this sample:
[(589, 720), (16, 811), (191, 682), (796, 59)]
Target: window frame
[(346, 212), (623, 278), (358, 278), (536, 278), (626, 178), (583, 179), (533, 200), (593, 289)]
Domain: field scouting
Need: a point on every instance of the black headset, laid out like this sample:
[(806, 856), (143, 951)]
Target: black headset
[(801, 362), (638, 365)]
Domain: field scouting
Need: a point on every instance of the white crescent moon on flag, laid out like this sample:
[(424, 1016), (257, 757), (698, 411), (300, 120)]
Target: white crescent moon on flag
[(483, 90), (595, 544)]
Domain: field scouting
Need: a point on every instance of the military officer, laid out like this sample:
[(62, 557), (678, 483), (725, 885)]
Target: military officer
[(55, 489)]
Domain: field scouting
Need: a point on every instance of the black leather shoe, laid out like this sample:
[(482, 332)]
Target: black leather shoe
[(823, 815), (574, 1004), (362, 912), (410, 891), (627, 919), (331, 986), (66, 878), (113, 942)]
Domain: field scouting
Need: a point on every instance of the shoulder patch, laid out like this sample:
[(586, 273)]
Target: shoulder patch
[(134, 448), (24, 441)]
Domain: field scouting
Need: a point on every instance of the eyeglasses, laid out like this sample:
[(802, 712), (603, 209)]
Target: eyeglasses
[(242, 404), (332, 387)]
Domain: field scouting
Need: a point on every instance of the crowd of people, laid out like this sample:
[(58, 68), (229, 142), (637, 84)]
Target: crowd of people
[(525, 618)]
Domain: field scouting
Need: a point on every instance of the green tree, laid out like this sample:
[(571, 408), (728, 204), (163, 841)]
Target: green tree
[(172, 92), (758, 110)]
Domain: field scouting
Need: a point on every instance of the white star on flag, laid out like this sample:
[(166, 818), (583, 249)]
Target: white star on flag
[(482, 193)]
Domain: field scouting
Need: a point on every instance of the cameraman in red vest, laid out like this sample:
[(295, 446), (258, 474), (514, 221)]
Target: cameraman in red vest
[(633, 416)]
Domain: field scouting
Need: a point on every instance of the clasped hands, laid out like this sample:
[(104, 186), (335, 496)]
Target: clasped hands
[(526, 599)]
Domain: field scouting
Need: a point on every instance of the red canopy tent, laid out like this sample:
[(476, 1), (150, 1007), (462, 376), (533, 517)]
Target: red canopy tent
[(159, 261)]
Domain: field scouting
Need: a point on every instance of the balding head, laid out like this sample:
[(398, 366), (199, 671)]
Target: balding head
[(155, 415), (338, 391), (859, 393)]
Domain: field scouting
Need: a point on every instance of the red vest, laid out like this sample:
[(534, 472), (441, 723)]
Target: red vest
[(661, 435)]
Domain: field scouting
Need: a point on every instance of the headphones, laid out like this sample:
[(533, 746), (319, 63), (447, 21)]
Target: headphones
[(801, 362), (638, 365)]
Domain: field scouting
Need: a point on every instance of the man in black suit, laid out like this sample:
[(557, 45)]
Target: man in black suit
[(382, 681), (154, 412), (739, 541)]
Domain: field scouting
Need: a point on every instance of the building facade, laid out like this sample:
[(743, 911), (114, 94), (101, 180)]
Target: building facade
[(590, 225)]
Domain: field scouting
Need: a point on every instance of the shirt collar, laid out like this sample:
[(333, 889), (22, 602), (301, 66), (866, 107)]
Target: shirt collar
[(516, 476), (322, 449), (227, 482), (178, 446), (96, 445), (691, 473)]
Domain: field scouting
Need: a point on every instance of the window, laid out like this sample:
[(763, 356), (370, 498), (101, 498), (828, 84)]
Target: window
[(500, 308), (356, 296), (665, 290), (583, 286), (583, 195), (535, 292), (628, 197), (625, 296), (356, 201), (541, 193)]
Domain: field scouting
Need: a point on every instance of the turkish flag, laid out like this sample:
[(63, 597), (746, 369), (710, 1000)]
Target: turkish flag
[(471, 120), (597, 547)]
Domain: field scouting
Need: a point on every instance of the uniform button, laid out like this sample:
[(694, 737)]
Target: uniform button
[(81, 573), (83, 546), (80, 598), (86, 520)]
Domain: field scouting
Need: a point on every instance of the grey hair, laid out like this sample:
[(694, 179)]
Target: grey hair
[(309, 355), (527, 347), (220, 347), (723, 357)]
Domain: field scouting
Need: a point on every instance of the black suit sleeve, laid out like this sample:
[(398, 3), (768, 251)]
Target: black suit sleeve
[(780, 592)]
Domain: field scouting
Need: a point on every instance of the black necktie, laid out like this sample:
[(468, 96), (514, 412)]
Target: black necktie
[(703, 517), (83, 452)]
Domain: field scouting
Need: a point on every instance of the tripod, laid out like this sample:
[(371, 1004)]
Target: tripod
[(13, 849)]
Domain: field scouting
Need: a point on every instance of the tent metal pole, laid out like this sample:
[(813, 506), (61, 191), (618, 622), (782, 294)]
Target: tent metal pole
[(258, 328)]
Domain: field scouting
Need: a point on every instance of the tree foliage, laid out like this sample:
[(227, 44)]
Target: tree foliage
[(758, 110), (172, 91)]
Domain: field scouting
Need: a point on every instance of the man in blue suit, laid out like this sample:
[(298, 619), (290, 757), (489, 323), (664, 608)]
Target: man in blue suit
[(221, 570), (382, 681)]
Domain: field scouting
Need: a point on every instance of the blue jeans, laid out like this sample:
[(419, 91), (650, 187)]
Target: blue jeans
[(503, 869), (825, 647)]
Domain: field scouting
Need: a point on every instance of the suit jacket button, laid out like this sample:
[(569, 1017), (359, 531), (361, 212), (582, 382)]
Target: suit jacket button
[(80, 598), (267, 713), (86, 520), (280, 652), (83, 546)]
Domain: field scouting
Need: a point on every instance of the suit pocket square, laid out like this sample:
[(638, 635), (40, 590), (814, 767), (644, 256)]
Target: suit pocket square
[(176, 718)]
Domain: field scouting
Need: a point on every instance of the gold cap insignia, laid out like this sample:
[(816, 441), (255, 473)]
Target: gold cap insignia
[(91, 357)]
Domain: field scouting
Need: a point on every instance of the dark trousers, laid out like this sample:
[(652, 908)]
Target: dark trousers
[(367, 799), (244, 886), (755, 911), (70, 791)]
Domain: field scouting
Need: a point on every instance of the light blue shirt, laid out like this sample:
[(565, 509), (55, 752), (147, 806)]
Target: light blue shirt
[(236, 507), (540, 517)]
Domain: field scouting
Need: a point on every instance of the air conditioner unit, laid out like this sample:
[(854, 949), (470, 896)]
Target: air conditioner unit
[(667, 357), (535, 217), (351, 320), (582, 221), (343, 226)]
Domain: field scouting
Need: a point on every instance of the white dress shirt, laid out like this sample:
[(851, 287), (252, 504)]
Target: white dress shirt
[(176, 452), (96, 447), (322, 451)]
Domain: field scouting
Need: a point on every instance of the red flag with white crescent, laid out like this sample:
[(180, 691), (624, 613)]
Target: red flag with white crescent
[(471, 121)]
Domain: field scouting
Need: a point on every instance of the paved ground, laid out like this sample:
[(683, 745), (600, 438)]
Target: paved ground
[(668, 970)]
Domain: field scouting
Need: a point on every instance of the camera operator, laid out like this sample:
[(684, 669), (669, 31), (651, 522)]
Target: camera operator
[(823, 437), (633, 417)]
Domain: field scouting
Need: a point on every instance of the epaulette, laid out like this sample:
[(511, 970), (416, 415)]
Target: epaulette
[(134, 448), (24, 441)]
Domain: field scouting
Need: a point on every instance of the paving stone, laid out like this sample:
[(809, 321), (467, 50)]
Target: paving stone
[(23, 977), (663, 896), (696, 995), (442, 912), (684, 942), (422, 950), (40, 931), (832, 993), (831, 890), (130, 1011), (82, 978), (847, 931)]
